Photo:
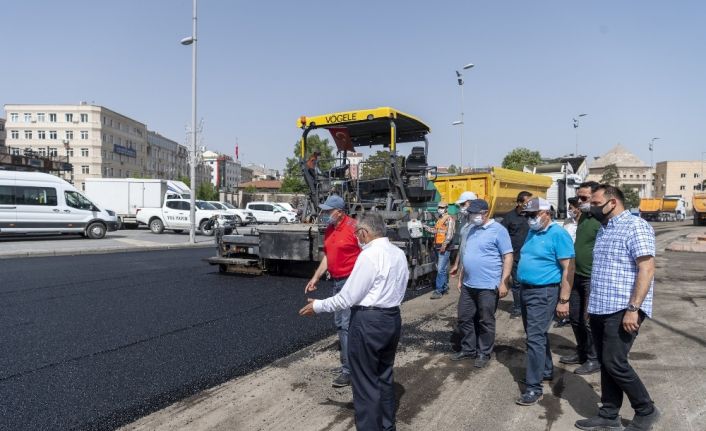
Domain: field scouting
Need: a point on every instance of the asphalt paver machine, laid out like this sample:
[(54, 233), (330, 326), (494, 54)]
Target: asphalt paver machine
[(398, 187)]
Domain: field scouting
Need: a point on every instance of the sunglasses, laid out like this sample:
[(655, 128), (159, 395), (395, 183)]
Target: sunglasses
[(530, 214), (583, 198)]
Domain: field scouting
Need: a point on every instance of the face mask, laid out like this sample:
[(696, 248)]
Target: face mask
[(328, 219), (597, 212), (585, 207), (477, 219), (535, 223), (571, 215), (441, 211)]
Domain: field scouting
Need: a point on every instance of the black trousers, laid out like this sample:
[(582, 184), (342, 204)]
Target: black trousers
[(613, 344), (476, 319), (372, 343), (578, 316)]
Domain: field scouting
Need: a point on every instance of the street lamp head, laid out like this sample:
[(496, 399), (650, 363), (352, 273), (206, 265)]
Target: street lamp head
[(582, 115), (468, 66), (456, 123), (187, 40)]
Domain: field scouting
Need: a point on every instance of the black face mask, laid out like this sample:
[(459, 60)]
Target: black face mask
[(597, 213)]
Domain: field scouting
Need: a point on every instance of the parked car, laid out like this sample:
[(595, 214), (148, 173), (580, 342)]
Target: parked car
[(175, 215), (270, 212), (241, 217), (35, 202)]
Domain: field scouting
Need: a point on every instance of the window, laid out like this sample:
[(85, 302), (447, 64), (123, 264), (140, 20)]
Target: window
[(173, 205), (7, 196), (683, 175), (15, 134), (41, 134), (40, 117), (69, 134), (78, 201), (42, 152), (84, 118), (14, 117), (40, 196), (84, 169), (28, 134), (631, 176), (84, 134), (682, 187), (70, 152), (52, 118), (28, 117), (84, 152), (53, 152), (52, 134), (69, 117), (696, 175)]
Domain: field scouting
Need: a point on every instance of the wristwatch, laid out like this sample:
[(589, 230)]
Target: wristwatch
[(563, 301), (633, 308)]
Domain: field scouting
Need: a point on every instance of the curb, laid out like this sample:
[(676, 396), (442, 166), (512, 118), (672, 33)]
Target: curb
[(103, 250)]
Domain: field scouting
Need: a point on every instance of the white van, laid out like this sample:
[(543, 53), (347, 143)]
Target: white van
[(34, 202)]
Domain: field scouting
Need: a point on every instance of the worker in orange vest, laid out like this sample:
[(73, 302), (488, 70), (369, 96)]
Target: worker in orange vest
[(443, 235)]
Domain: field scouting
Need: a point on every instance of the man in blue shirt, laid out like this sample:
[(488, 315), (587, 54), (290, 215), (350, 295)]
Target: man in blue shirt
[(545, 268), (485, 264)]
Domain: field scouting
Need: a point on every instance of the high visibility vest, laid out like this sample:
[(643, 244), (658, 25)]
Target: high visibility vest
[(441, 230)]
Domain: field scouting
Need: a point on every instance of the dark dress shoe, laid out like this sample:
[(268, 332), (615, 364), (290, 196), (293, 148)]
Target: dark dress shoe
[(598, 423), (588, 367), (571, 359), (342, 380), (644, 423), (482, 361), (529, 398), (460, 356)]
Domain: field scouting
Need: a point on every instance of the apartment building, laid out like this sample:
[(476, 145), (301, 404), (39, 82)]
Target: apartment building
[(2, 132), (679, 178), (225, 172), (166, 159)]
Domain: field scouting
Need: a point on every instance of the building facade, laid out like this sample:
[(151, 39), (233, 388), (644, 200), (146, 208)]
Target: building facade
[(2, 132), (166, 159), (354, 160), (679, 178), (246, 175), (632, 172), (261, 172), (225, 172)]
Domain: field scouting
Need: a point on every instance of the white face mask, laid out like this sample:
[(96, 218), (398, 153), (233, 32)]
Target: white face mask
[(535, 223), (441, 211), (571, 215), (477, 219), (585, 207)]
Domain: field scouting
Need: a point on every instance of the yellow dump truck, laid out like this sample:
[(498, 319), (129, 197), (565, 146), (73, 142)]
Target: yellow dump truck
[(699, 204), (499, 187), (668, 208)]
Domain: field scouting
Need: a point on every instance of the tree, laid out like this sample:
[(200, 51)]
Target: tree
[(632, 198), (293, 181), (207, 192), (521, 157), (611, 175), (186, 180), (452, 169), (378, 165)]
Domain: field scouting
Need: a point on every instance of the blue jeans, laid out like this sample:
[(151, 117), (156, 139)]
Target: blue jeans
[(538, 309), (342, 319), (442, 270)]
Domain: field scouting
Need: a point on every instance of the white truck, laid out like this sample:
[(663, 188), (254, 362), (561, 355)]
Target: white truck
[(175, 214), (564, 185), (126, 195)]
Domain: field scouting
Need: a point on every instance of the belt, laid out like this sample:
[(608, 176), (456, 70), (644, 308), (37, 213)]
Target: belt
[(339, 278), (364, 308), (537, 286)]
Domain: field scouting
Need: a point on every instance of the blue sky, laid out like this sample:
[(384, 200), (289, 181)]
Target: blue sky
[(637, 68)]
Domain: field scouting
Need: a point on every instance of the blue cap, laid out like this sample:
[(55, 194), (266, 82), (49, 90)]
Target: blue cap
[(477, 206), (465, 197), (333, 202)]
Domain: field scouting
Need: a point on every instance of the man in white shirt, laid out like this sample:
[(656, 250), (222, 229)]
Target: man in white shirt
[(373, 291)]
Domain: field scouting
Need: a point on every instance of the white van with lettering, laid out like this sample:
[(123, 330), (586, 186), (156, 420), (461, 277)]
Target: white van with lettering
[(39, 203)]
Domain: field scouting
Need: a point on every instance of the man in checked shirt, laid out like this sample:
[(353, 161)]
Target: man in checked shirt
[(621, 297)]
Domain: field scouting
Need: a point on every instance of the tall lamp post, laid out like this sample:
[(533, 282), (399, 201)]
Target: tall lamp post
[(576, 126), (459, 77), (652, 151), (192, 41)]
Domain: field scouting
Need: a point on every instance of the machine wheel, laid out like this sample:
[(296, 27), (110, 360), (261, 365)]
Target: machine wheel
[(96, 230), (238, 220), (283, 220), (207, 232), (222, 268), (178, 230), (156, 226)]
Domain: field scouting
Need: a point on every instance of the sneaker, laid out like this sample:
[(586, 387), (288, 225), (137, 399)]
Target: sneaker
[(598, 423), (644, 423), (463, 355), (588, 367), (571, 359), (561, 323), (436, 295), (529, 398), (342, 380), (482, 361)]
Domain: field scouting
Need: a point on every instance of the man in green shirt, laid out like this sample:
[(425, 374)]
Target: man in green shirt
[(578, 301)]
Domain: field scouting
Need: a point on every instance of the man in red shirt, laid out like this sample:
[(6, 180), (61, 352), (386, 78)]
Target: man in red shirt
[(341, 250)]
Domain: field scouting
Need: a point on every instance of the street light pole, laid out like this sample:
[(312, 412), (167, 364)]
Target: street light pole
[(459, 77), (652, 149), (576, 126), (192, 41)]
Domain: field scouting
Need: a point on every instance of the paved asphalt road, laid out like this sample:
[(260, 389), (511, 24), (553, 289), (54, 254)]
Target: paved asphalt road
[(93, 342)]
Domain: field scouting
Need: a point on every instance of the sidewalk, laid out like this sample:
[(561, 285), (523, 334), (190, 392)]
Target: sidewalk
[(120, 241), (435, 393), (693, 242)]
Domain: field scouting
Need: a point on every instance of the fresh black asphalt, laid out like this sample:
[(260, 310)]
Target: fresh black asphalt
[(94, 342)]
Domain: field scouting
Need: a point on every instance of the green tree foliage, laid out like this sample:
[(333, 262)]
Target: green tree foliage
[(186, 180), (453, 169), (293, 181), (521, 157), (611, 175), (207, 192), (632, 198), (378, 165)]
